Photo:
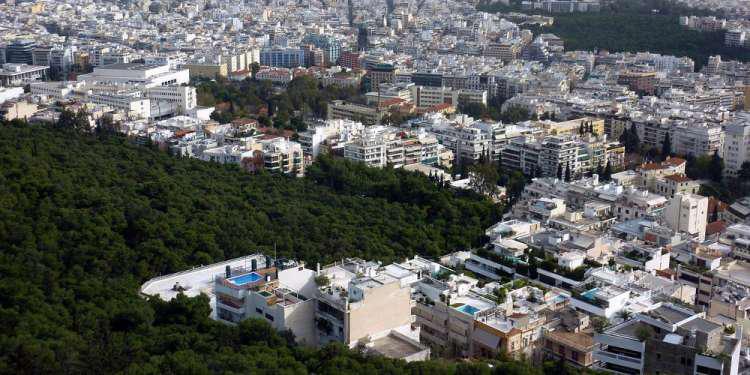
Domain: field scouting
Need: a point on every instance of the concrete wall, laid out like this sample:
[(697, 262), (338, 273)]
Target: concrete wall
[(383, 308)]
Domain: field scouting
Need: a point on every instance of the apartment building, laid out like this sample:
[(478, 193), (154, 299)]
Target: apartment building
[(736, 143), (356, 292), (339, 109), (282, 57), (282, 294), (636, 204), (283, 156), (380, 73), (572, 342), (446, 312), (688, 213), (522, 154), (468, 139), (370, 148), (668, 340)]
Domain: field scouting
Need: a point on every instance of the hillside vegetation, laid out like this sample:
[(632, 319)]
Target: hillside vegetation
[(85, 219), (634, 26)]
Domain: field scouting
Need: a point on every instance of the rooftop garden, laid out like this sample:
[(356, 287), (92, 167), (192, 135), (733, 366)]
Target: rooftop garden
[(578, 274)]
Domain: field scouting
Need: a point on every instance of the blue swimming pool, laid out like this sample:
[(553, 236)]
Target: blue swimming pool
[(246, 278), (468, 309), (589, 294)]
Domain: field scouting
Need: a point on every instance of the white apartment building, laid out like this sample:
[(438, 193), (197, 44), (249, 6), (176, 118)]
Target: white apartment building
[(687, 213), (370, 148), (736, 143), (636, 204)]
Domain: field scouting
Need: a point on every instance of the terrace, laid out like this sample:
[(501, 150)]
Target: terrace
[(246, 279)]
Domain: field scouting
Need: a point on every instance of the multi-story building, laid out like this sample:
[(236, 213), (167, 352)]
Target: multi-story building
[(20, 52), (330, 46), (688, 213), (283, 156), (370, 148), (147, 76), (736, 143), (380, 73), (341, 110), (668, 340), (446, 313), (12, 74), (282, 57), (560, 153), (363, 304)]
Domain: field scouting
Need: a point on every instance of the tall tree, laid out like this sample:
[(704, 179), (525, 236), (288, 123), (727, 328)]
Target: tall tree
[(717, 167), (607, 175), (666, 146)]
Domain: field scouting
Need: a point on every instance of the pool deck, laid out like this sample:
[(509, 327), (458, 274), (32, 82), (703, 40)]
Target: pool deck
[(197, 280)]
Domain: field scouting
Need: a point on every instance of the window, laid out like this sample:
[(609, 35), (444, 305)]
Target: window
[(269, 317), (574, 355), (259, 310)]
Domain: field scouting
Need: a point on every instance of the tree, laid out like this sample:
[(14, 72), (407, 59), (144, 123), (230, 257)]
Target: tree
[(630, 140), (559, 171), (254, 69), (567, 173), (666, 146), (483, 179), (599, 324), (744, 173), (599, 170), (717, 167), (607, 175)]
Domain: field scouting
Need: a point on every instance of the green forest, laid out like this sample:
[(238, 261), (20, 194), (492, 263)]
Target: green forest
[(85, 219), (636, 26)]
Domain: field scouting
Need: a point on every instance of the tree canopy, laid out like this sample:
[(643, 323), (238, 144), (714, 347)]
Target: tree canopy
[(86, 218)]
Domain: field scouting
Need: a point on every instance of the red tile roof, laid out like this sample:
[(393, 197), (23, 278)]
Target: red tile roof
[(715, 227)]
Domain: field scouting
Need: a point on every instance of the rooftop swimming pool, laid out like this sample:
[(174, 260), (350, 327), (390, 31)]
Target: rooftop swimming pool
[(245, 279), (467, 309), (589, 294)]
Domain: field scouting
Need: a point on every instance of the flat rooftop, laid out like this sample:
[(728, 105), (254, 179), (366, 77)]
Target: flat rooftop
[(701, 324), (393, 346), (129, 66), (669, 314), (578, 340)]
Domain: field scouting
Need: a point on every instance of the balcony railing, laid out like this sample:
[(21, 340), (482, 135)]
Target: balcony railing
[(601, 353)]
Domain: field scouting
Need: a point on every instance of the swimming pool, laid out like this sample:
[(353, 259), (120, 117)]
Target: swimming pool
[(468, 309), (245, 279)]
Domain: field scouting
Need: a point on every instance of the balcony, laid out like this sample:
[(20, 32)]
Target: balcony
[(618, 359)]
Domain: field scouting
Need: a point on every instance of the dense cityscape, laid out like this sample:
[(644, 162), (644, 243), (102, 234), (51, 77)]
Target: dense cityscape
[(400, 186)]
